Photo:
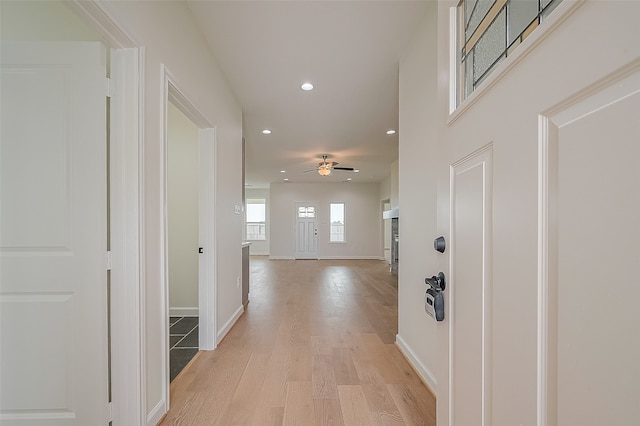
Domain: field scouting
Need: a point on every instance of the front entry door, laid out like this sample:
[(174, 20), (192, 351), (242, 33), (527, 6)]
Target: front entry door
[(306, 231), (53, 279)]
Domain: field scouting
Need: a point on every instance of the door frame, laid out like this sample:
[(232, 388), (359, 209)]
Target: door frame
[(207, 287), (128, 371)]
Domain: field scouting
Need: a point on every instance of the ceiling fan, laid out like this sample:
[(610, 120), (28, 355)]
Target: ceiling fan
[(326, 167)]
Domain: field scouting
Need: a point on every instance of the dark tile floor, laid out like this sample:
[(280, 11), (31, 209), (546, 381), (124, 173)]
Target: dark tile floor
[(183, 343)]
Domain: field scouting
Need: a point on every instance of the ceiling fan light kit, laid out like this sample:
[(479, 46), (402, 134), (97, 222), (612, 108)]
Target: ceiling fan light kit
[(326, 167), (324, 171)]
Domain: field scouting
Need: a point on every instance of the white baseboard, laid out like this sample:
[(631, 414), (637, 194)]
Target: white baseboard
[(351, 258), (281, 258), (155, 415), (183, 312), (227, 326), (415, 362), (259, 253)]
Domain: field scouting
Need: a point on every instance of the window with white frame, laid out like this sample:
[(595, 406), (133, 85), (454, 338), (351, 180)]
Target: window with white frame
[(336, 219), (489, 31), (256, 219)]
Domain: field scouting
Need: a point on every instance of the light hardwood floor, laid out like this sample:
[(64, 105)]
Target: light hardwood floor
[(314, 347)]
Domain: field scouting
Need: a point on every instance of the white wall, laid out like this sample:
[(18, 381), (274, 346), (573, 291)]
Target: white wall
[(167, 32), (362, 222), (42, 21), (261, 247), (418, 176), (182, 211), (595, 40)]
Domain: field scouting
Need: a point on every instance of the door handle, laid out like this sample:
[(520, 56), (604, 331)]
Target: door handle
[(437, 281)]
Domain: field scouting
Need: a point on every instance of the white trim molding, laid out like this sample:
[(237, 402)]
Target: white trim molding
[(425, 374), (128, 370), (230, 322), (127, 293), (156, 414), (207, 289)]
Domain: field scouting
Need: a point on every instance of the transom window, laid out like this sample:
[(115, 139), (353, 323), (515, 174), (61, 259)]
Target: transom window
[(489, 31)]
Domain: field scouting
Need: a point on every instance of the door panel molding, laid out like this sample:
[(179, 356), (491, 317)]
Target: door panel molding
[(471, 218), (591, 102)]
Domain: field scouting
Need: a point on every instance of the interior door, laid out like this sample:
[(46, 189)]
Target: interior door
[(470, 292), (53, 294), (306, 231)]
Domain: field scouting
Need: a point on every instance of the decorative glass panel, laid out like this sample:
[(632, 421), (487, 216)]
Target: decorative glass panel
[(304, 212), (490, 46), (475, 15), (521, 13)]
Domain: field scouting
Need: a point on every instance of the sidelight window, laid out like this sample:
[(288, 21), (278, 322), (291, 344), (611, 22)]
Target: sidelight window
[(336, 218)]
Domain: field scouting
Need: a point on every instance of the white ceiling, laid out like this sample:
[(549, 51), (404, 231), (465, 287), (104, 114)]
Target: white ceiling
[(349, 50)]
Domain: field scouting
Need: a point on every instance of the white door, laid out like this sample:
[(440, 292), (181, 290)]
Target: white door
[(306, 231), (590, 344), (470, 292), (53, 280)]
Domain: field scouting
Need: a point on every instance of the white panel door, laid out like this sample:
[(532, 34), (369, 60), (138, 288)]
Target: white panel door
[(592, 234), (306, 231), (53, 290), (470, 290)]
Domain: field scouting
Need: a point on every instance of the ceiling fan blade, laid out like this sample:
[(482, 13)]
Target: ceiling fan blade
[(344, 168), (307, 171)]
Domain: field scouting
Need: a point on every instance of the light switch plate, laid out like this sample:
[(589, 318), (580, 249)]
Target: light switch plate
[(237, 209)]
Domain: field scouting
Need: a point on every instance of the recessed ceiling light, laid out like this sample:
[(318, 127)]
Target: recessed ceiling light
[(391, 132), (356, 171), (285, 179), (348, 178), (306, 86), (266, 132), (283, 171)]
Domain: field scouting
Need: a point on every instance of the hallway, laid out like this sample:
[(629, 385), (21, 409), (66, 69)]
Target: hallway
[(315, 346)]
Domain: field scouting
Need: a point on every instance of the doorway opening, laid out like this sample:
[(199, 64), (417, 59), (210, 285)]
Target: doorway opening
[(183, 238), (194, 295)]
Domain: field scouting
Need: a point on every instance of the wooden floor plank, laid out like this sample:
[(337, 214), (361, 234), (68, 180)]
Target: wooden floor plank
[(298, 409), (314, 347), (353, 403)]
